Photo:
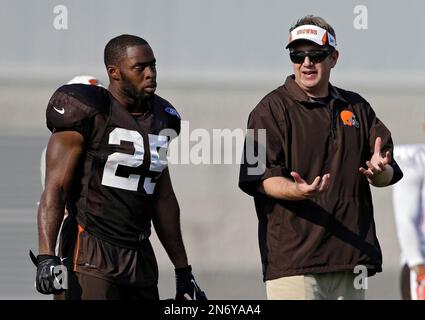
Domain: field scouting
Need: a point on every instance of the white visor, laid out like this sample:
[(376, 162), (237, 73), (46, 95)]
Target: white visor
[(312, 33)]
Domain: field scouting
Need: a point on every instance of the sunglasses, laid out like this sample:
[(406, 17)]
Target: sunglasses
[(315, 56)]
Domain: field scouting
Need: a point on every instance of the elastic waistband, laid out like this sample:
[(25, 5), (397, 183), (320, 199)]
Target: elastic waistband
[(134, 243)]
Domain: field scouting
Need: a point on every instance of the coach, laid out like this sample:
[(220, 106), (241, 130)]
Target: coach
[(324, 147)]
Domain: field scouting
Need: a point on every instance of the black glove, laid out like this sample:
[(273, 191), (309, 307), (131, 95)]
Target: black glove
[(49, 279), (186, 285)]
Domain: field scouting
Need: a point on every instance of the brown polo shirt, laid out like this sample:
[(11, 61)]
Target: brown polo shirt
[(336, 232)]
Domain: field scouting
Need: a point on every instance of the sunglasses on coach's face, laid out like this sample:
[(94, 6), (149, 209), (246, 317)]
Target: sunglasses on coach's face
[(315, 56)]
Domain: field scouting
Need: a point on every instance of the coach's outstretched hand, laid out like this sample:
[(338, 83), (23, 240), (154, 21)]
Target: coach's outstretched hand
[(186, 286), (47, 280)]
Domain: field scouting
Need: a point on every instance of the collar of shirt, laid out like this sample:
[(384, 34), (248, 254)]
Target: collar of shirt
[(298, 94)]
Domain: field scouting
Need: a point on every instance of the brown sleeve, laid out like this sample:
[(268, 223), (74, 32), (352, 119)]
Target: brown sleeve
[(378, 129), (264, 154), (71, 106)]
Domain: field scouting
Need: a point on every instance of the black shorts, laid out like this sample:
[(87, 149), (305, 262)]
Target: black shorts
[(85, 287), (100, 270)]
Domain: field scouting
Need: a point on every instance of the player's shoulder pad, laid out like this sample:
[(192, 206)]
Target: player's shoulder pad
[(71, 104), (167, 107), (167, 115)]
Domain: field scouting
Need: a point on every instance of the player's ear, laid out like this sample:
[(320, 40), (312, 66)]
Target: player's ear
[(113, 72)]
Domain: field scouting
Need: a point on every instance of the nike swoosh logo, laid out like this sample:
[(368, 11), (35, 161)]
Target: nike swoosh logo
[(61, 111), (194, 289)]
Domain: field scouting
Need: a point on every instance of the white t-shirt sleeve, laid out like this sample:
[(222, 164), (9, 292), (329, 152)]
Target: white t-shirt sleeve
[(407, 201)]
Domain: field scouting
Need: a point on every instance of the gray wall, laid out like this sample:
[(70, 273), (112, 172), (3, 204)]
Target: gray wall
[(206, 39)]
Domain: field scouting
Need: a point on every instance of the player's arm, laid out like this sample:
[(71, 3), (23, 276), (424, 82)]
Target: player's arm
[(408, 214), (62, 156), (166, 220)]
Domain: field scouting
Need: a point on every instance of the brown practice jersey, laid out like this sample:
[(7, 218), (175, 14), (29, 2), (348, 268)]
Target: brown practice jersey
[(112, 192)]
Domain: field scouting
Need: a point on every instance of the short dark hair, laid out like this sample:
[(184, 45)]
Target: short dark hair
[(116, 47), (314, 20)]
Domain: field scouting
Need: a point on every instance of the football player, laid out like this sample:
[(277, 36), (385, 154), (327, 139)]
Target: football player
[(106, 161), (409, 210)]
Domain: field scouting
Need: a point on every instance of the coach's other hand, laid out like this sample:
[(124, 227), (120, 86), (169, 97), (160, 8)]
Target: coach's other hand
[(47, 280), (186, 286)]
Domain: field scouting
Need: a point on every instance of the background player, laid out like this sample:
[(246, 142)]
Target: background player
[(409, 210)]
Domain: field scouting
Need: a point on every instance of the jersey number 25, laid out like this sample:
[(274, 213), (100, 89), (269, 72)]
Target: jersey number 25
[(135, 160)]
